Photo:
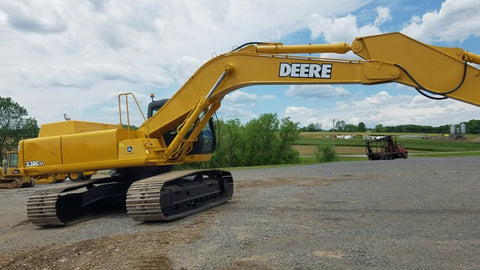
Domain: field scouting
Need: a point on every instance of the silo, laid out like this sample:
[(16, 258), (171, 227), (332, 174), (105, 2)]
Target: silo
[(452, 129)]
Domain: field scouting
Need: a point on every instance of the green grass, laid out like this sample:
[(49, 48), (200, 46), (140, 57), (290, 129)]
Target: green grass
[(412, 144), (448, 154), (352, 158), (439, 146), (308, 160)]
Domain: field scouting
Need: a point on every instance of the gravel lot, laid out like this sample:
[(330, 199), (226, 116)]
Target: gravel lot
[(419, 213)]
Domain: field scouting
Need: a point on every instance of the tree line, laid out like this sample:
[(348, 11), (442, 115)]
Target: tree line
[(472, 127)]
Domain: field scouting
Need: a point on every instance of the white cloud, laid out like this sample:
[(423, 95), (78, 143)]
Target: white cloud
[(3, 19), (227, 112), (184, 68), (35, 16), (383, 16), (386, 109), (305, 116), (316, 91), (238, 105), (455, 21), (240, 97), (342, 29)]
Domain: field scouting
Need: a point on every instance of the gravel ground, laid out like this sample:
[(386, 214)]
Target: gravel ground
[(419, 213)]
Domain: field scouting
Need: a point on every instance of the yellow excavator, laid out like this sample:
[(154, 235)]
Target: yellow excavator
[(180, 130), (10, 176)]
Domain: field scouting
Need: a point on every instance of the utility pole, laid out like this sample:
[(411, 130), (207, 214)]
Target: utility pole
[(333, 133)]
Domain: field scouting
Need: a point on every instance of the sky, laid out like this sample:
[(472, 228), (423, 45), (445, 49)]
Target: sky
[(75, 57)]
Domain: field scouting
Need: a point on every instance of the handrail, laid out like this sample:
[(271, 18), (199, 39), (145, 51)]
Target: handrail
[(127, 109)]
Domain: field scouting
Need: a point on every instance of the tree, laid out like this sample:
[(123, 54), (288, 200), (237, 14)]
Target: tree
[(325, 152), (350, 128), (473, 126), (288, 134), (379, 128), (265, 140), (340, 125), (230, 145), (14, 124), (260, 134), (270, 141), (361, 127), (312, 127)]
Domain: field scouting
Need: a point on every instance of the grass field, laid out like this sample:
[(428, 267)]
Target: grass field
[(416, 144)]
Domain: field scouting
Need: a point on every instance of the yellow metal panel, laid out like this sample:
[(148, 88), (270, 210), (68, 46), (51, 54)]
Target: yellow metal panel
[(310, 48), (40, 153), (90, 146), (197, 158), (78, 152), (131, 149), (73, 126), (439, 69)]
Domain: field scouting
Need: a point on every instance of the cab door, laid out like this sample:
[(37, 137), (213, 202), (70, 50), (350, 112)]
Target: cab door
[(11, 163)]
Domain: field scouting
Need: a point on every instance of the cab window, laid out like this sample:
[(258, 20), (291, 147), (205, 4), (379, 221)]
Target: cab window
[(13, 162)]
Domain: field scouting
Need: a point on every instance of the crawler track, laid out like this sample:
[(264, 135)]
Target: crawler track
[(166, 196), (42, 206), (8, 184), (41, 209), (178, 194), (63, 206)]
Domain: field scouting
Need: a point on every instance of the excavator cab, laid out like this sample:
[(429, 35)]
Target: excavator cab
[(206, 140), (154, 106)]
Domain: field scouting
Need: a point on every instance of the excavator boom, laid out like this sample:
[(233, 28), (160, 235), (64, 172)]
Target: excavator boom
[(387, 58)]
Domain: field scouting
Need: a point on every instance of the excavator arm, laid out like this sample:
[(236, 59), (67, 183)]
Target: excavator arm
[(386, 58)]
